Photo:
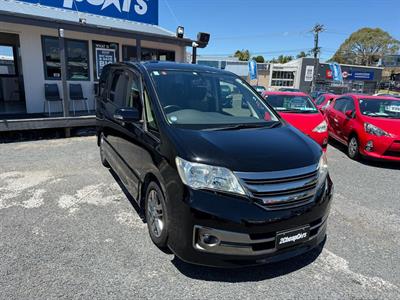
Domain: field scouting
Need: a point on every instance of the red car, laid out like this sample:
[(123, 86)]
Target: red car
[(323, 101), (298, 109), (368, 125)]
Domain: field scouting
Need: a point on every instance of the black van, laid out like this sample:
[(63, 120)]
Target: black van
[(222, 179)]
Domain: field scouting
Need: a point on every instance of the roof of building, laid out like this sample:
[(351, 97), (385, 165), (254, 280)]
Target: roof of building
[(29, 10)]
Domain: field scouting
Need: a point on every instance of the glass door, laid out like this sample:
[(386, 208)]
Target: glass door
[(12, 98)]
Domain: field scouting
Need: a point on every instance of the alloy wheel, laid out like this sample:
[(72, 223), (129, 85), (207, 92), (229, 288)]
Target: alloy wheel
[(155, 213), (353, 147)]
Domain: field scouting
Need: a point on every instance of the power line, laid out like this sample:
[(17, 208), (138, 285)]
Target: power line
[(172, 13)]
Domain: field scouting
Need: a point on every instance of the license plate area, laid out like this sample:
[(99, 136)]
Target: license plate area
[(292, 237)]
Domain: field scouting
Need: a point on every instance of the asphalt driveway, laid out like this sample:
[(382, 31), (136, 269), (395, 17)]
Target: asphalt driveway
[(68, 230)]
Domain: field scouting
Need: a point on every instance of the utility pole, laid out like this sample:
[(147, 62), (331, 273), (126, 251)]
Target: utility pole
[(316, 50)]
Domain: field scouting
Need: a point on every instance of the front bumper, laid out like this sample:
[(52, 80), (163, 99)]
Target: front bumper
[(245, 231), (383, 148)]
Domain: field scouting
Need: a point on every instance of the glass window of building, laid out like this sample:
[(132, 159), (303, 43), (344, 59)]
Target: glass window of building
[(130, 53), (51, 57), (77, 58)]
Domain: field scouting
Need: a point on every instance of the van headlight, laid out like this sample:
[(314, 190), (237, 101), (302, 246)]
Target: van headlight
[(322, 127), (201, 176), (322, 168)]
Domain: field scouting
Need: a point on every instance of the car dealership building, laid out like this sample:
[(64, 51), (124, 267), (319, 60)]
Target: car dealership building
[(299, 74), (47, 45)]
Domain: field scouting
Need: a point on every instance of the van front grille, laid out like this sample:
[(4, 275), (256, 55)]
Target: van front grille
[(282, 189)]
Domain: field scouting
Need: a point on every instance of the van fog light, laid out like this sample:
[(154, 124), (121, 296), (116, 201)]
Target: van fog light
[(369, 146), (209, 240)]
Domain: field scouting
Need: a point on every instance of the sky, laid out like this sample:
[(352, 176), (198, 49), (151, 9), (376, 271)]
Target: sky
[(274, 27)]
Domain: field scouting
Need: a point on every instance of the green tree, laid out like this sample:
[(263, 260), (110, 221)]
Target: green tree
[(282, 59), (260, 59), (365, 47), (242, 55), (302, 54)]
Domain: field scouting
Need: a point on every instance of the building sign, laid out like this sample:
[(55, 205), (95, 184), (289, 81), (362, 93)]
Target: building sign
[(143, 11), (104, 57), (360, 75), (253, 69), (336, 72), (308, 77)]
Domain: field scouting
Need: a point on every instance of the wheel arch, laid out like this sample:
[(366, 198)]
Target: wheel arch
[(149, 177)]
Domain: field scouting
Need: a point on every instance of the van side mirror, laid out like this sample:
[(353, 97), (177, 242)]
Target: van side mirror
[(127, 115), (349, 113)]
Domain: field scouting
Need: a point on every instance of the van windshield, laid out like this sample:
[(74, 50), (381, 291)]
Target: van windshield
[(205, 100)]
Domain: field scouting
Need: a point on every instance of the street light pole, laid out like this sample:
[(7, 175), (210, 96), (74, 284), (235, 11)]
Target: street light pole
[(316, 50)]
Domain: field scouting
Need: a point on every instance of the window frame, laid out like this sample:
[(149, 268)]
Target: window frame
[(43, 38)]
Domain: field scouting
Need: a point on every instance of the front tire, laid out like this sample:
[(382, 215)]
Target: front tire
[(353, 148), (156, 215)]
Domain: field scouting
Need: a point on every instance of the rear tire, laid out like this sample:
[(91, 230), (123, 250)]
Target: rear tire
[(156, 215), (103, 159), (353, 148)]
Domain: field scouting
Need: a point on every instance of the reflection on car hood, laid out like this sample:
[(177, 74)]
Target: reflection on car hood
[(248, 150)]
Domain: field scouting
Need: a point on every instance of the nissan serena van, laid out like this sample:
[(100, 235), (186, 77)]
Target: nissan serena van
[(222, 179)]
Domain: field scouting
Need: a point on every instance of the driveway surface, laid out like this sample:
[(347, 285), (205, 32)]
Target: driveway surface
[(67, 230)]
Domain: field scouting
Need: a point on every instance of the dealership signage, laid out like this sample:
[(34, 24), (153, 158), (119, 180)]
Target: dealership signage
[(309, 75), (253, 69), (352, 75), (358, 75), (144, 11), (336, 72), (104, 57)]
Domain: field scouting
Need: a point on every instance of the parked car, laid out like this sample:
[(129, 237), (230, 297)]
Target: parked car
[(388, 95), (218, 186), (289, 90), (315, 94), (300, 111), (368, 125), (323, 101), (259, 88)]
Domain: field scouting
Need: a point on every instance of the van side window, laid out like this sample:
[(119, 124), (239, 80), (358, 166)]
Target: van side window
[(150, 118), (118, 90), (134, 100)]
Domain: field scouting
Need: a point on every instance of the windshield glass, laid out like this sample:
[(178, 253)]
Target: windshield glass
[(382, 108), (291, 103), (204, 100)]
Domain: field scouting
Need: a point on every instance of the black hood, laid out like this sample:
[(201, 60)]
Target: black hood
[(248, 150)]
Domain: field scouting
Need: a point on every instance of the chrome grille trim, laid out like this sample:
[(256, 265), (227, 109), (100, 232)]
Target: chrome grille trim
[(282, 189)]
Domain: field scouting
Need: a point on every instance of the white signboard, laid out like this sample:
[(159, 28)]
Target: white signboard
[(309, 73)]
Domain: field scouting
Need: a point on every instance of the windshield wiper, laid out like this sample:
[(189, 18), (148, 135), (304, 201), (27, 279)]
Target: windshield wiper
[(245, 126)]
